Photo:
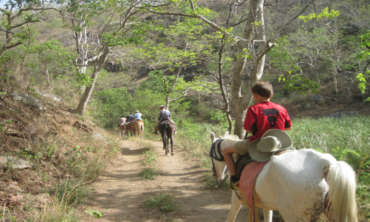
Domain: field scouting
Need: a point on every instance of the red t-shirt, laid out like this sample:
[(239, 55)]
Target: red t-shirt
[(264, 116)]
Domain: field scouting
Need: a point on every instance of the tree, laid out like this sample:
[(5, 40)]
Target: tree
[(16, 15), (94, 41)]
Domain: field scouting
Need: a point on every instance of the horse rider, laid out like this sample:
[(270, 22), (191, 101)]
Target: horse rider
[(130, 118), (138, 115), (164, 114), (262, 119), (122, 121)]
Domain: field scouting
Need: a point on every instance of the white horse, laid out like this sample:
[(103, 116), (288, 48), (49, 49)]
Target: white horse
[(301, 185)]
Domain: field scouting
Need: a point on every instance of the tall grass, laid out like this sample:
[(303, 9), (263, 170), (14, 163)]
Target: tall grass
[(195, 138), (329, 133), (56, 211), (347, 138)]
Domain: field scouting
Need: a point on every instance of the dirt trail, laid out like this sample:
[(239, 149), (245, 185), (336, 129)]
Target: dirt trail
[(120, 192)]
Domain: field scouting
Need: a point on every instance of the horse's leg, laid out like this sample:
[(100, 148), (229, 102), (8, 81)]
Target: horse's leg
[(171, 140), (164, 140), (142, 129), (235, 207), (267, 215), (167, 144)]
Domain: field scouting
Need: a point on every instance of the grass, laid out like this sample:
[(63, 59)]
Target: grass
[(149, 158), (163, 202), (149, 173), (54, 212), (70, 192), (328, 133)]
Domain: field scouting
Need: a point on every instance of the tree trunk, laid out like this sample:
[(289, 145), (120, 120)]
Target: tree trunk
[(335, 80), (48, 77), (89, 90), (246, 72), (87, 94)]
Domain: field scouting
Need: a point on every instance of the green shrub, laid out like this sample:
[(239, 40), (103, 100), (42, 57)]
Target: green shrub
[(163, 202), (149, 157), (111, 104), (149, 173), (70, 192)]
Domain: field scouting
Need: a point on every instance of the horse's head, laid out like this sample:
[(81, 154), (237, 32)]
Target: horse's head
[(218, 164)]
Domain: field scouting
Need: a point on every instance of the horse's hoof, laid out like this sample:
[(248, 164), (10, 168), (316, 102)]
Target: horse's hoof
[(171, 154)]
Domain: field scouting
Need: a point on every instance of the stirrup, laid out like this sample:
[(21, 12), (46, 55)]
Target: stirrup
[(234, 186)]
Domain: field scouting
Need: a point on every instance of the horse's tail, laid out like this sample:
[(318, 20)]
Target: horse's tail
[(341, 206)]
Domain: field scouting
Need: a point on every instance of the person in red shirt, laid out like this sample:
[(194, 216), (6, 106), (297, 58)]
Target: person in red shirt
[(260, 117)]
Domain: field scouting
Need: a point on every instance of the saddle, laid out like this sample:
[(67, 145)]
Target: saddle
[(241, 162), (169, 122)]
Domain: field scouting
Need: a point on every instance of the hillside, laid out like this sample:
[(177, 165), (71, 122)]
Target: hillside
[(43, 147)]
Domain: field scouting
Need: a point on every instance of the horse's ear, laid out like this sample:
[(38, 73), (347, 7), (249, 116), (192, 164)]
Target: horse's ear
[(213, 136)]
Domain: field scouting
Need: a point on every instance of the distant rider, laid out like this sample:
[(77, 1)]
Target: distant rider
[(138, 115), (164, 114)]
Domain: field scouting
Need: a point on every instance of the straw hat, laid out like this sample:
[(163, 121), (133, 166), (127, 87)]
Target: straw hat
[(271, 141)]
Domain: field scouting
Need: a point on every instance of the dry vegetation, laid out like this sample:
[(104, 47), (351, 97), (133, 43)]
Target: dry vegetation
[(57, 148)]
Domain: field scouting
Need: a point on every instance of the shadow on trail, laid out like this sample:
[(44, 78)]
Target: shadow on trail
[(204, 206), (128, 151), (193, 201)]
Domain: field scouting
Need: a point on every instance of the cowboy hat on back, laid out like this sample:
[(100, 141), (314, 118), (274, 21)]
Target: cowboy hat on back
[(272, 140)]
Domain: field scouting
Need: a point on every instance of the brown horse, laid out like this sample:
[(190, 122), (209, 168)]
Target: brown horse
[(133, 128), (167, 129), (139, 127)]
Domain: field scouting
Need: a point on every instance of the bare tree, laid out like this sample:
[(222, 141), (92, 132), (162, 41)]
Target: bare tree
[(91, 44)]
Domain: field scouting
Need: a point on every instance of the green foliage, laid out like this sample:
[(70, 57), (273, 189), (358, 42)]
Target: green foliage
[(163, 202), (298, 83), (94, 213), (364, 52), (149, 158), (325, 13), (362, 81), (363, 56), (282, 58), (83, 79), (111, 104), (149, 173)]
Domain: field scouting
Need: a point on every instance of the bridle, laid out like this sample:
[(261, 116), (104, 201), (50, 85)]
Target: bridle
[(216, 154)]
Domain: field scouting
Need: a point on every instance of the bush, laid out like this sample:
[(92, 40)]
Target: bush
[(163, 202)]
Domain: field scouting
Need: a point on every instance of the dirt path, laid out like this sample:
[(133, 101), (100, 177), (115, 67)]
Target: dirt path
[(120, 192)]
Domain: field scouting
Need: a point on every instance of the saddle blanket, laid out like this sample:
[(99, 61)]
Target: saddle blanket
[(248, 179)]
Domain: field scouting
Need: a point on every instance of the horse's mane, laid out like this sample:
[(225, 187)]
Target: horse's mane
[(229, 136)]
